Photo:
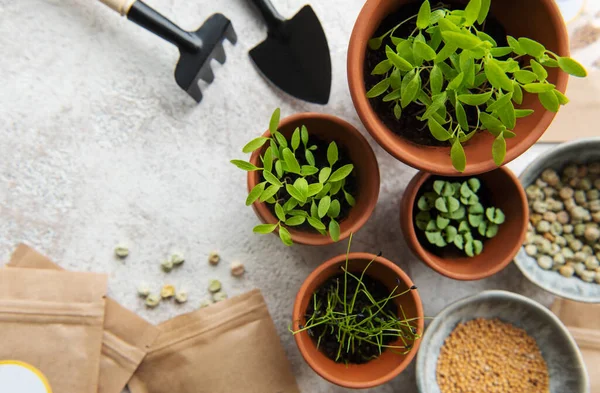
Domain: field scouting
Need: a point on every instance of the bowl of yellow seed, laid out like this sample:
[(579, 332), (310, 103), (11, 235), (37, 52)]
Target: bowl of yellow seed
[(499, 342)]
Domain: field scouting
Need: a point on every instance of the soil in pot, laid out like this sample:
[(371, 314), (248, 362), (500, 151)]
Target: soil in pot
[(326, 338), (450, 251), (408, 126), (320, 155)]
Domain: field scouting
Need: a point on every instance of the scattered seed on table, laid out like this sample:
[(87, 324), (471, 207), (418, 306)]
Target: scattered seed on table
[(237, 269), (177, 259), (491, 356), (121, 251), (531, 249), (567, 270), (167, 265), (214, 286), (214, 258), (167, 291), (181, 297), (545, 262), (205, 303), (143, 289), (152, 300), (219, 296)]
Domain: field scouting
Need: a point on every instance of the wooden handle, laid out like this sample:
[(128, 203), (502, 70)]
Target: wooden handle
[(121, 6)]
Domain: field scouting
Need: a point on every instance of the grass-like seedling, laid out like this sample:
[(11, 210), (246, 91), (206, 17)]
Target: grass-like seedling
[(451, 214), (353, 318), (455, 72), (300, 190)]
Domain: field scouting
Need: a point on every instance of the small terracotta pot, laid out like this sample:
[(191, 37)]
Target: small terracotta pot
[(329, 128), (536, 19), (506, 193), (386, 366)]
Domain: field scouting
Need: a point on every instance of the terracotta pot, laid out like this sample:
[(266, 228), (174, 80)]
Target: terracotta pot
[(505, 192), (537, 19), (386, 366), (329, 128)]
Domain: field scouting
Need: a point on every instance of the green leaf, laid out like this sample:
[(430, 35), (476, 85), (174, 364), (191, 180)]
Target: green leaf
[(279, 168), (405, 51), (456, 82), (441, 205), (295, 221), (469, 249), (476, 208), (271, 178), (475, 220), (461, 40), (446, 25), (314, 209), (446, 51), (548, 62), (316, 223), (475, 99), (280, 138), (254, 144), (461, 116), (538, 87), (349, 198), (308, 170), (439, 100), (379, 88), (295, 193), (453, 204), (424, 15), (422, 219), (290, 205), (508, 134), (499, 149), (244, 165), (491, 230), (334, 230), (310, 158), (410, 88), (264, 228), (517, 93), (424, 51), (304, 136), (291, 161), (334, 208), (550, 101), (501, 52), (296, 139), (314, 189), (341, 173), (332, 153), (375, 43), (562, 99), (450, 233), (459, 242), (495, 215), (497, 77), (399, 62), (436, 80), (324, 174), (539, 71), (323, 206), (255, 193), (438, 186), (382, 68), (274, 149), (269, 192), (442, 222), (464, 227), (324, 191), (507, 115), (267, 160), (457, 154), (516, 47), (491, 123), (500, 102), (274, 122), (519, 113), (483, 11), (397, 111), (482, 228), (474, 184), (472, 12), (572, 67), (477, 247), (285, 236), (279, 212), (336, 187), (393, 96), (531, 47), (438, 132)]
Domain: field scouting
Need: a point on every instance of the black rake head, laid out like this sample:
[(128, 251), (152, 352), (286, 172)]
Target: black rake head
[(195, 64)]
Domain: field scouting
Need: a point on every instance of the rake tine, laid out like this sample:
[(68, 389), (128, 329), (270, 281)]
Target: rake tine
[(219, 53)]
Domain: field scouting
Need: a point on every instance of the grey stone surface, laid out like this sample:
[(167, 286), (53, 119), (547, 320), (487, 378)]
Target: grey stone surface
[(566, 368), (98, 145)]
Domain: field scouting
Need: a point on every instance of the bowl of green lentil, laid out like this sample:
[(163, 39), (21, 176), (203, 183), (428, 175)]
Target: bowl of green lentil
[(499, 341), (561, 253)]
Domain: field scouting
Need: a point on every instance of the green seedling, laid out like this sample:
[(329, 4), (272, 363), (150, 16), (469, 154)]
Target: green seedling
[(450, 67), (299, 191), (452, 215)]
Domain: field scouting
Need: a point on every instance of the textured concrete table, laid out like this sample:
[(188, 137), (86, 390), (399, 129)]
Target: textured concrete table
[(98, 145)]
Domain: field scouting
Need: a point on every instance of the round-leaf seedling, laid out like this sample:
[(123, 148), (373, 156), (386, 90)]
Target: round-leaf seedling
[(167, 291), (214, 286), (219, 296), (181, 297), (177, 259), (152, 300), (167, 265), (205, 303), (214, 258), (143, 290), (121, 251)]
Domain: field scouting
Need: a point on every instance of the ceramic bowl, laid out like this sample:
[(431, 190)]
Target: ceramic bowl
[(565, 363), (579, 152)]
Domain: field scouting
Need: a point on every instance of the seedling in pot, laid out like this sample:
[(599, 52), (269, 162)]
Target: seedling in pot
[(451, 214), (353, 318), (461, 79), (301, 190)]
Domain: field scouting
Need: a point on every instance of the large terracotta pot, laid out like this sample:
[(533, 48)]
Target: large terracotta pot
[(505, 192), (329, 128), (386, 366), (536, 19)]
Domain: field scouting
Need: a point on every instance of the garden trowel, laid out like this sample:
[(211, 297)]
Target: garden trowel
[(196, 48), (295, 56)]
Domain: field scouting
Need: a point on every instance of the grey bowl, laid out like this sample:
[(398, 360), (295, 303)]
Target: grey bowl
[(580, 151), (565, 364)]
